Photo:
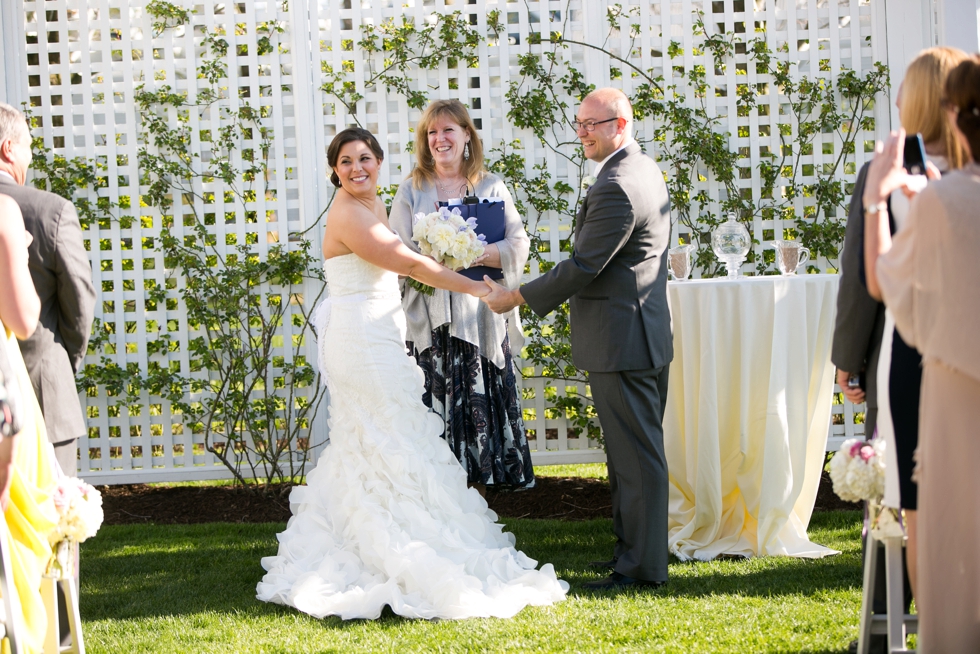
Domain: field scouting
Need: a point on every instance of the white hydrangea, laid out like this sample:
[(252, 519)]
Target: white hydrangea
[(79, 508), (858, 470), (448, 238)]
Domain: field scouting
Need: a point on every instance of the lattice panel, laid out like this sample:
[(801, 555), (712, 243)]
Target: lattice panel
[(86, 57), (820, 38), (86, 60)]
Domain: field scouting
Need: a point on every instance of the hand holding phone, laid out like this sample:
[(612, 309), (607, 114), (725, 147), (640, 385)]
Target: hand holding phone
[(915, 155)]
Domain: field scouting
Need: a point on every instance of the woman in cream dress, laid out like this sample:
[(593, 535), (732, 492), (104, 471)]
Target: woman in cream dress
[(929, 277), (899, 374)]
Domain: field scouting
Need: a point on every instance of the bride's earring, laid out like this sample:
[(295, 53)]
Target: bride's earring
[(466, 151)]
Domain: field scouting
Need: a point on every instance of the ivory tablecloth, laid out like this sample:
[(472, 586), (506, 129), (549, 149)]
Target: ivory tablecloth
[(748, 410)]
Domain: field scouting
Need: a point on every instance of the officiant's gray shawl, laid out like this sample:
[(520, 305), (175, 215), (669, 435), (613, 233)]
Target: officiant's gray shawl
[(469, 319)]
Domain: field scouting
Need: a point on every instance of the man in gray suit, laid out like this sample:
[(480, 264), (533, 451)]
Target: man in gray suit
[(63, 279), (616, 280)]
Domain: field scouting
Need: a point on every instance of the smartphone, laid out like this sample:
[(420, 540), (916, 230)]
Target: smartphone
[(915, 155), (856, 381)]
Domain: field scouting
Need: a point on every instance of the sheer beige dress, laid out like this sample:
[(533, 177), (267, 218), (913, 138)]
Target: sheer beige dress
[(930, 280)]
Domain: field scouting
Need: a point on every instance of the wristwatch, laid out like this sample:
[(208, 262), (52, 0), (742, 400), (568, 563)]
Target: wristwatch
[(881, 207)]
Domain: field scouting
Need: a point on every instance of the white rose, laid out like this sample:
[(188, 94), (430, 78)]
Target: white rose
[(441, 236)]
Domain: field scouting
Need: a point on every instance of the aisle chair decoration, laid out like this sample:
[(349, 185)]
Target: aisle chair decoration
[(80, 515), (858, 473)]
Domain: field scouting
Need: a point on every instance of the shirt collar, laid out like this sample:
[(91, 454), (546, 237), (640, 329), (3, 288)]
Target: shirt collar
[(598, 166), (4, 173)]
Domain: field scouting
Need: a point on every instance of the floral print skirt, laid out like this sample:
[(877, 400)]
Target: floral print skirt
[(481, 405)]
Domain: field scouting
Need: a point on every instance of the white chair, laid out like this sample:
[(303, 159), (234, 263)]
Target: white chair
[(49, 594), (12, 626), (897, 624)]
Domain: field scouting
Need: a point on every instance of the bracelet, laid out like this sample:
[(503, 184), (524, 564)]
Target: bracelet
[(881, 207)]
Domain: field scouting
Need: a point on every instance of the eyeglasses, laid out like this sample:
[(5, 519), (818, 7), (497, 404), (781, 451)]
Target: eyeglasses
[(589, 125)]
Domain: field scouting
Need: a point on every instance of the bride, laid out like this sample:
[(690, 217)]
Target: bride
[(386, 517)]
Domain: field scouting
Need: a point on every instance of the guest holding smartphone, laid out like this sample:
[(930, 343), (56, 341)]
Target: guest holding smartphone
[(927, 276), (874, 364)]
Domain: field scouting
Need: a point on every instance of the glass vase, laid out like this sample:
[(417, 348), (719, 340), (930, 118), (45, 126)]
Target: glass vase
[(61, 564), (731, 243)]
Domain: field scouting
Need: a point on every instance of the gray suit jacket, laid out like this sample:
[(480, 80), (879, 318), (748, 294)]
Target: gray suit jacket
[(860, 318), (617, 275), (62, 277)]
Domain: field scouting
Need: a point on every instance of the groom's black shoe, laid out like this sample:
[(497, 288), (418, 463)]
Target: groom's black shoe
[(608, 565), (617, 581)]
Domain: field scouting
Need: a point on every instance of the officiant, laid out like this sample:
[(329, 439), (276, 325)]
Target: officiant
[(465, 350)]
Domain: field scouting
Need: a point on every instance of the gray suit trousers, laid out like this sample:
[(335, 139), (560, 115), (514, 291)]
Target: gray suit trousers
[(630, 405)]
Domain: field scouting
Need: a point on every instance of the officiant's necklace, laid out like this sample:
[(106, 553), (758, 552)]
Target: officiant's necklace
[(453, 186)]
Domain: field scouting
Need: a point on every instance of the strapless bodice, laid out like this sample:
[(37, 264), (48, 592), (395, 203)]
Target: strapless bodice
[(349, 274)]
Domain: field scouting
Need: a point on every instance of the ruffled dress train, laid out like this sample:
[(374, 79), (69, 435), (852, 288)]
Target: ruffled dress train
[(386, 517)]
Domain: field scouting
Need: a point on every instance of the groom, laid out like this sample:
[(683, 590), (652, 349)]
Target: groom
[(617, 281)]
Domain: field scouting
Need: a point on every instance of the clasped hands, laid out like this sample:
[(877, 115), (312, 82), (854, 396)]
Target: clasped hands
[(499, 298)]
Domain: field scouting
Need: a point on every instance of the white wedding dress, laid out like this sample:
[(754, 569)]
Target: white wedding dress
[(386, 517)]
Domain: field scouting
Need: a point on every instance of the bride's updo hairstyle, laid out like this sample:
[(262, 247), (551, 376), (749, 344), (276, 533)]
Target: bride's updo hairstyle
[(963, 95), (350, 135)]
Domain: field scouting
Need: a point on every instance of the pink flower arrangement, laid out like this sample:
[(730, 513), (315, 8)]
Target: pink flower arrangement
[(858, 470), (79, 508), (862, 449)]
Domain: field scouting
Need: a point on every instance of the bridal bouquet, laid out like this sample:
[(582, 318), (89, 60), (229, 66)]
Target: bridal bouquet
[(858, 470), (448, 238), (79, 508)]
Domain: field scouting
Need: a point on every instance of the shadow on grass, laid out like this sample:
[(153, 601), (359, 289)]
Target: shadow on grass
[(140, 571), (796, 577)]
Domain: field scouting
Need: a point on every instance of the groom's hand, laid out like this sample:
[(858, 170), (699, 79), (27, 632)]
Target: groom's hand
[(501, 299)]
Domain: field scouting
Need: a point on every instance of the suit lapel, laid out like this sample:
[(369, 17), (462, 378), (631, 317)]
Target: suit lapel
[(613, 162)]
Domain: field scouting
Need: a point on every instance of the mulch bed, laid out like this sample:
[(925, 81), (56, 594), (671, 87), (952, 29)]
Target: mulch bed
[(556, 498)]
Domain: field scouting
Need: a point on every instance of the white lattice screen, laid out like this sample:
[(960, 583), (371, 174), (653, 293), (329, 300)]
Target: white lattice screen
[(85, 58)]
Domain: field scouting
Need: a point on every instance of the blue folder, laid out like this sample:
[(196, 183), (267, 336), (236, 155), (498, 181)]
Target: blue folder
[(490, 221)]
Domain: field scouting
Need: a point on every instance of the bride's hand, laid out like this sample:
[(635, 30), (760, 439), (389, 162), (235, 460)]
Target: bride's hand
[(479, 289)]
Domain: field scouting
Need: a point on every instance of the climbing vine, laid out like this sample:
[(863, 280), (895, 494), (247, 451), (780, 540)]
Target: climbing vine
[(252, 406), (240, 296), (693, 146)]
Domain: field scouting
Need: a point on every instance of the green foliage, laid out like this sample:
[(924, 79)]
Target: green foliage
[(689, 140), (400, 47), (74, 179), (702, 168), (166, 15), (248, 389)]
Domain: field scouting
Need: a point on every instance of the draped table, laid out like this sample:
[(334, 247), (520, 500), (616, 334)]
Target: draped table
[(747, 415)]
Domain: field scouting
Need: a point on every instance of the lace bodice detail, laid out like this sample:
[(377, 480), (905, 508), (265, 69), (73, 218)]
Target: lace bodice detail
[(349, 274)]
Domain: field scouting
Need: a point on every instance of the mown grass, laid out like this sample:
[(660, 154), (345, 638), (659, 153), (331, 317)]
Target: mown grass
[(590, 470), (192, 589)]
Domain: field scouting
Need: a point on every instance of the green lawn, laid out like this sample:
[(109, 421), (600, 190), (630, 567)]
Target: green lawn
[(192, 589)]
